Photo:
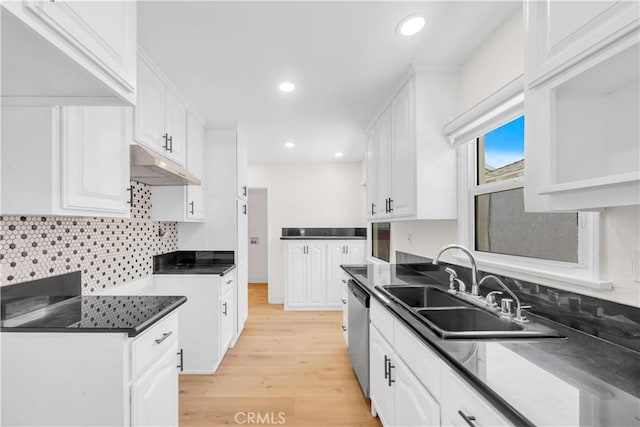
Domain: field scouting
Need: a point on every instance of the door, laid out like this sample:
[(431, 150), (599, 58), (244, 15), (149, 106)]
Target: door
[(296, 280), (149, 110), (227, 320), (372, 173), (337, 253), (95, 159), (154, 395), (413, 404), (380, 390), (176, 127), (384, 165), (242, 265), (403, 163), (195, 165), (104, 32), (241, 167), (316, 274)]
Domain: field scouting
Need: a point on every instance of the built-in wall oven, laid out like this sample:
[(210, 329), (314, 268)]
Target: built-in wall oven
[(358, 327)]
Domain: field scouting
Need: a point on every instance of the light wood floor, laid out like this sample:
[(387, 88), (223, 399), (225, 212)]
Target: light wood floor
[(290, 362)]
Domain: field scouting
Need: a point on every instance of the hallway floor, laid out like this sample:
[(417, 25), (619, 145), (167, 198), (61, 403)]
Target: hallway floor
[(287, 368)]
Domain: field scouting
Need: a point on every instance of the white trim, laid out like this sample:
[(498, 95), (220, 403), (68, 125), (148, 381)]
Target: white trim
[(505, 104)]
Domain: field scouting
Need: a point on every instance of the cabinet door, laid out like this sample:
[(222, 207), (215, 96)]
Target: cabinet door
[(227, 319), (95, 159), (337, 254), (176, 126), (356, 252), (242, 262), (371, 157), (316, 274), (295, 276), (154, 395), (413, 405), (241, 167), (195, 165), (380, 390), (384, 165), (149, 111), (104, 32), (562, 33), (403, 163)]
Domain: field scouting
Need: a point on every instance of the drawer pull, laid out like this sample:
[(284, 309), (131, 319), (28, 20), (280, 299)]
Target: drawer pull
[(225, 308), (467, 418), (164, 337), (344, 301), (344, 280), (344, 328), (229, 282)]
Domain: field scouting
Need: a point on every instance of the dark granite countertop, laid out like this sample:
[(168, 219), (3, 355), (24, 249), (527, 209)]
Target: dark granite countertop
[(127, 314), (324, 233), (580, 380), (194, 262)]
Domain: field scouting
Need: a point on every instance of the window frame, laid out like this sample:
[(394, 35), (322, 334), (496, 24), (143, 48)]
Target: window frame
[(502, 107)]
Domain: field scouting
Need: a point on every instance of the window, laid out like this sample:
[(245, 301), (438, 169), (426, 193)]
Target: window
[(500, 223), (492, 220), (381, 240)]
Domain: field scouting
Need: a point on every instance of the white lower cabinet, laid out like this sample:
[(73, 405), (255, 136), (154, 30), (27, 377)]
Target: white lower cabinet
[(411, 386), (91, 378), (313, 277), (206, 319)]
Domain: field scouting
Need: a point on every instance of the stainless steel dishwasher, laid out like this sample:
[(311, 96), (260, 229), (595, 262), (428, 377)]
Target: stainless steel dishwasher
[(358, 327)]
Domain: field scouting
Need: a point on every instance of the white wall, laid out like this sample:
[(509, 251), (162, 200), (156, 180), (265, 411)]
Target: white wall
[(495, 63), (306, 195), (258, 259)]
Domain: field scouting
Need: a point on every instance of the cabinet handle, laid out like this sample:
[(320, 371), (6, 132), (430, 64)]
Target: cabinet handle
[(192, 208), (386, 205), (164, 337), (225, 308), (344, 280), (347, 249), (387, 362), (244, 209), (171, 144), (181, 365), (344, 301), (244, 190), (468, 418), (391, 367), (373, 208), (229, 281), (344, 328), (166, 141), (390, 204), (130, 190)]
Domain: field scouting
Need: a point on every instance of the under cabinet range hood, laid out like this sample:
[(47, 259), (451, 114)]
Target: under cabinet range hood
[(152, 168)]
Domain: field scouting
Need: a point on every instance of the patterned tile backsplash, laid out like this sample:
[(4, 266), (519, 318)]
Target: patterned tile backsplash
[(108, 251)]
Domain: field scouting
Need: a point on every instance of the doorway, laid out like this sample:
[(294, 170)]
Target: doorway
[(258, 237)]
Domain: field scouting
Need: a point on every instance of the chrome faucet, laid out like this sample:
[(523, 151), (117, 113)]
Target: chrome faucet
[(474, 266), (518, 317)]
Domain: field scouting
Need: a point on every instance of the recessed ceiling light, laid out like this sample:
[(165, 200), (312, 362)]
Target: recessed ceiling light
[(411, 25), (287, 87), (339, 154), (289, 144)]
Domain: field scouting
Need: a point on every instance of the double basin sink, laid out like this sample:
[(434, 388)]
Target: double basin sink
[(451, 317)]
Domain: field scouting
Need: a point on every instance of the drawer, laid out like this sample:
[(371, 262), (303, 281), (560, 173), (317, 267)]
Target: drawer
[(382, 319), (147, 348), (227, 282), (420, 359), (458, 397)]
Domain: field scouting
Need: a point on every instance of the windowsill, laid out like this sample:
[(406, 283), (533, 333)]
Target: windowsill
[(536, 271)]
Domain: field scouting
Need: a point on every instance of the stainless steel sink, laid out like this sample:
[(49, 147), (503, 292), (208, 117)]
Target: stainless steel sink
[(452, 318), (418, 296)]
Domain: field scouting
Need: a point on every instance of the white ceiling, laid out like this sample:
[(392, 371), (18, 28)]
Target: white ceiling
[(228, 58)]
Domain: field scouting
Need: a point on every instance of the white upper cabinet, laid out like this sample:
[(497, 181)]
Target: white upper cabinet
[(241, 167), (411, 168), (184, 203), (586, 110), (562, 33), (89, 49), (66, 161), (160, 116)]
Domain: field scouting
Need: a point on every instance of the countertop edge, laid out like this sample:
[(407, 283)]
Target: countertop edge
[(323, 238), (498, 402), (230, 268)]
